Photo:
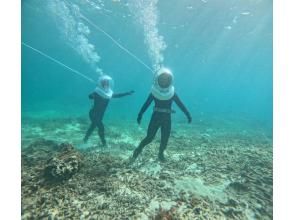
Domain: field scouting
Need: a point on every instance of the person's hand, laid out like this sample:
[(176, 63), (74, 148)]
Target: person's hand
[(131, 92), (189, 119), (139, 118)]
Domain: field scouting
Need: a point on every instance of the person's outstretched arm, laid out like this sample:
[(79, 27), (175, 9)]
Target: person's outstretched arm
[(144, 108), (182, 107), (119, 95)]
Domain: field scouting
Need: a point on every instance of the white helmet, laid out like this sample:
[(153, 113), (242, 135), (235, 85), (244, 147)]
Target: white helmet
[(104, 86), (160, 91)]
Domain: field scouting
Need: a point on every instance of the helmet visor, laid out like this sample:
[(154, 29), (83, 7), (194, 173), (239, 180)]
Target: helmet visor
[(164, 80)]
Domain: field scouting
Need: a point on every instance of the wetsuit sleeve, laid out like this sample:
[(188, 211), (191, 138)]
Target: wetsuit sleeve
[(119, 95), (92, 95), (146, 104), (181, 106)]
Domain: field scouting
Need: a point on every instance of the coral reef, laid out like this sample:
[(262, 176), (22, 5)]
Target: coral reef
[(209, 174), (64, 164)]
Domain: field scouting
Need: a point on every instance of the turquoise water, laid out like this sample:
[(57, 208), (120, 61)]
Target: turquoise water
[(217, 167), (219, 51)]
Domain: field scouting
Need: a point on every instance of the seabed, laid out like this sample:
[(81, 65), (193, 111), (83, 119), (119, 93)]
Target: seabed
[(221, 173)]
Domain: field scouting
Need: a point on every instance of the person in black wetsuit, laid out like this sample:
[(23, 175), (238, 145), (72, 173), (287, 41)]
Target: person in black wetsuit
[(163, 95), (101, 96)]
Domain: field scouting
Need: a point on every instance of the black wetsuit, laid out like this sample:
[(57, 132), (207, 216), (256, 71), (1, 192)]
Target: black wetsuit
[(97, 112), (161, 118)]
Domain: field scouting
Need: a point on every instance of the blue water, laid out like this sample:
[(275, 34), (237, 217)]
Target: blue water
[(220, 52)]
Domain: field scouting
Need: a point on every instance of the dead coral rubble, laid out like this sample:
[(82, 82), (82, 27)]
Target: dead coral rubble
[(64, 164), (229, 177)]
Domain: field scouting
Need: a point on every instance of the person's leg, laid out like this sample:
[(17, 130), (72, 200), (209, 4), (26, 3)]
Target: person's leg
[(165, 133), (89, 131), (101, 132), (92, 126), (151, 132)]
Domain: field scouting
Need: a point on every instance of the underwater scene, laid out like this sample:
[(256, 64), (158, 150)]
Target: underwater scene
[(146, 109)]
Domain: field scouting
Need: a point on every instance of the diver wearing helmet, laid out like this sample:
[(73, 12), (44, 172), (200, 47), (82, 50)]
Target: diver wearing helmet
[(101, 96), (163, 94)]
